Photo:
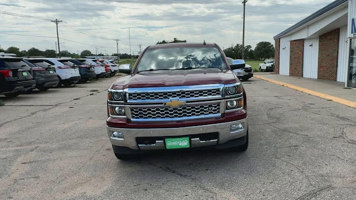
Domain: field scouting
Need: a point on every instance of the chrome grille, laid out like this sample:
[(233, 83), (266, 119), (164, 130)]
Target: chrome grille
[(186, 111), (174, 94)]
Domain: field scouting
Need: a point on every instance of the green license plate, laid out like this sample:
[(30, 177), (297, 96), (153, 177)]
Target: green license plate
[(51, 72), (24, 73), (177, 143)]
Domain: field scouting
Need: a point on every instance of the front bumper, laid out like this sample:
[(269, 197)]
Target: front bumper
[(222, 130)]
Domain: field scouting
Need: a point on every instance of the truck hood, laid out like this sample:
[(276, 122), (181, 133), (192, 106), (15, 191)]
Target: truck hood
[(180, 78)]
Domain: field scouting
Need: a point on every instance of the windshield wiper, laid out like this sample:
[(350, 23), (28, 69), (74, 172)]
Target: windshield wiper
[(186, 68)]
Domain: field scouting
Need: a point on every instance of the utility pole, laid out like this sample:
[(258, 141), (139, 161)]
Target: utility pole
[(117, 47), (130, 41), (243, 30), (57, 22), (140, 46)]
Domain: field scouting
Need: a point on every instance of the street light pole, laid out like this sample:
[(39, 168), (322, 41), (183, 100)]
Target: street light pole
[(243, 30)]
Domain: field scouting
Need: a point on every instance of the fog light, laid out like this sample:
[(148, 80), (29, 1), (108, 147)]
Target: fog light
[(236, 127), (116, 134), (231, 104)]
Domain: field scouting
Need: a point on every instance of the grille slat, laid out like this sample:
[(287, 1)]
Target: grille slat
[(174, 94), (171, 113)]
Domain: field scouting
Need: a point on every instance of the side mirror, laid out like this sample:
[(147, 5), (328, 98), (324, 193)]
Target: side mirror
[(237, 66), (125, 69)]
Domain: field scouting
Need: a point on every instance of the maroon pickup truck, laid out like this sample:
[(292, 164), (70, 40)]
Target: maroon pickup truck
[(177, 96)]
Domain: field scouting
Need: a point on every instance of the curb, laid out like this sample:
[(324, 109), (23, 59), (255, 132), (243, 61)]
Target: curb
[(351, 104)]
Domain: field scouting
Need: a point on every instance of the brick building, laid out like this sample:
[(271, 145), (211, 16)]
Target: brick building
[(321, 46)]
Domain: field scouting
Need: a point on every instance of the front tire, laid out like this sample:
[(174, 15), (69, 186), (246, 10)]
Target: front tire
[(244, 146), (122, 156), (124, 153)]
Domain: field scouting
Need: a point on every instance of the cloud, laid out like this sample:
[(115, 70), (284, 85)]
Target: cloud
[(95, 24)]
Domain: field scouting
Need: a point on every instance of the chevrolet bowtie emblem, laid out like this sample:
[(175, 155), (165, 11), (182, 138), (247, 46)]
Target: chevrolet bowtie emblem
[(175, 103)]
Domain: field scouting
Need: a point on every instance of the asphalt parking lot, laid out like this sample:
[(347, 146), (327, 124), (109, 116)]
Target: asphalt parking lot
[(53, 145)]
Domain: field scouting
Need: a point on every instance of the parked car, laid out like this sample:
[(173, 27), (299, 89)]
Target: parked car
[(86, 71), (99, 69), (177, 96), (242, 70), (113, 67), (15, 77), (67, 75), (45, 77), (267, 65)]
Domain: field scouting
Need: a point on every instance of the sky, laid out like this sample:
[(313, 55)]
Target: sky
[(95, 24)]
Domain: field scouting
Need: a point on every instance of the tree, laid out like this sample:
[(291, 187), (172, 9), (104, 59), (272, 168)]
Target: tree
[(34, 52), (65, 53), (163, 42), (14, 50), (23, 53), (249, 52), (175, 40), (85, 53), (264, 50), (49, 53)]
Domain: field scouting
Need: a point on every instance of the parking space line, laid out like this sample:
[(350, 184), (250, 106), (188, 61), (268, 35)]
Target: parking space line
[(311, 92)]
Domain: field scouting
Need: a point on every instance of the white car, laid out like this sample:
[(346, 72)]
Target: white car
[(267, 65), (98, 68), (67, 75)]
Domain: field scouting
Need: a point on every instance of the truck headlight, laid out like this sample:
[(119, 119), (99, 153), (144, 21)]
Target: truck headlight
[(233, 90), (116, 95)]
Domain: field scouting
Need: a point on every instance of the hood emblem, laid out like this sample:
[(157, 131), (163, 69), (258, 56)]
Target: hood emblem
[(175, 103)]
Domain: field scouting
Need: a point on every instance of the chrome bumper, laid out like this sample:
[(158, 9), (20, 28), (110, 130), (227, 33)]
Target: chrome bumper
[(127, 136)]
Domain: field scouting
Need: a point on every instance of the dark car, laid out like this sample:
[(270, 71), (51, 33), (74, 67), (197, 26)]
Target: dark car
[(45, 77), (243, 71), (86, 71), (15, 77), (100, 69)]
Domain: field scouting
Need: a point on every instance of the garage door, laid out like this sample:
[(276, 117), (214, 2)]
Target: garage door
[(284, 56), (311, 55)]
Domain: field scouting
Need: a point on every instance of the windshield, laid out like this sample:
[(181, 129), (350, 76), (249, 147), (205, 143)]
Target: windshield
[(12, 63), (181, 58), (71, 62)]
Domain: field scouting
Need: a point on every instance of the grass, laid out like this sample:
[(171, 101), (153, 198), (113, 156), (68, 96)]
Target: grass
[(1, 103), (127, 61), (254, 64)]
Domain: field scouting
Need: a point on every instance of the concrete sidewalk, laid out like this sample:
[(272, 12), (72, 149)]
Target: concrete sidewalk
[(330, 90)]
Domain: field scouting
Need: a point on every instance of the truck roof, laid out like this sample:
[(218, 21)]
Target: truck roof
[(172, 45)]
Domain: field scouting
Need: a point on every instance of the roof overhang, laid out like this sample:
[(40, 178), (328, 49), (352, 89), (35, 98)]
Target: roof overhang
[(320, 14)]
